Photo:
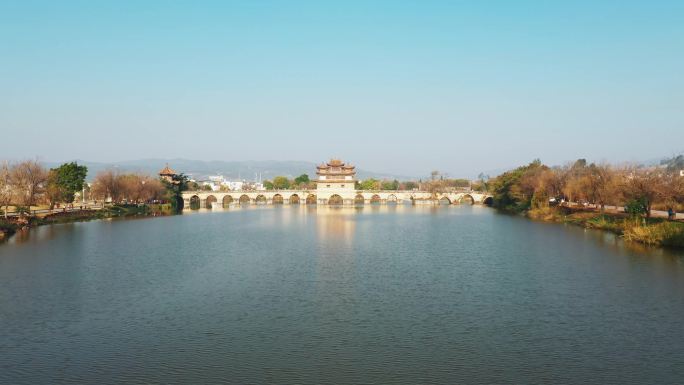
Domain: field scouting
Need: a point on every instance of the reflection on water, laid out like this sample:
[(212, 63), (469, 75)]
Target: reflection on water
[(38, 234), (336, 223), (325, 295)]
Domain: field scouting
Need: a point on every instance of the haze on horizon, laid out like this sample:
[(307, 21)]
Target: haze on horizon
[(397, 87)]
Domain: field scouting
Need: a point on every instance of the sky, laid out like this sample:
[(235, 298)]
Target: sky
[(402, 87)]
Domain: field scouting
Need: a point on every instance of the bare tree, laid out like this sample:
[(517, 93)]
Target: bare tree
[(29, 179), (140, 188), (547, 183), (597, 184), (131, 187), (134, 188), (107, 184), (672, 189), (154, 189), (6, 187), (644, 186)]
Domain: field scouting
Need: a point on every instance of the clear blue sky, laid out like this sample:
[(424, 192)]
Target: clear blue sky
[(393, 86)]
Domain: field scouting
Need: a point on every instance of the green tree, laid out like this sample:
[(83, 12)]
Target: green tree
[(579, 164), (390, 185), (268, 185), (302, 179), (174, 190), (515, 190), (636, 207), (65, 180), (370, 184), (281, 183)]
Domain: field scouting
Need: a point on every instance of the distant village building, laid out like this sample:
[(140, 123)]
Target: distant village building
[(214, 186), (167, 174), (336, 176), (215, 182), (220, 183), (235, 185)]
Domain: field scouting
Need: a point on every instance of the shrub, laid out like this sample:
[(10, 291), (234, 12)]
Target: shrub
[(605, 222), (662, 233), (636, 207), (7, 227)]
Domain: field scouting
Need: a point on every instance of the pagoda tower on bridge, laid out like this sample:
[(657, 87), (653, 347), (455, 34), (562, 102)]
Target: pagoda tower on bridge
[(336, 176), (167, 174)]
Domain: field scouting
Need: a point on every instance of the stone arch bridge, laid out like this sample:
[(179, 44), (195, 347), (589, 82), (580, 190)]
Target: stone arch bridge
[(218, 199)]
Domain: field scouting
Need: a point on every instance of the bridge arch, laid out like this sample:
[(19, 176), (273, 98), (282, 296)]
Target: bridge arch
[(294, 199), (311, 199), (375, 199), (244, 199), (227, 200), (391, 199), (359, 200), (260, 200), (466, 198), (278, 199), (444, 201), (209, 202), (335, 200), (488, 201), (194, 202)]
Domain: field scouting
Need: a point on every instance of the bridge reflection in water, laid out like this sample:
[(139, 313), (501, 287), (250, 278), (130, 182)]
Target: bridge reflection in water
[(337, 225)]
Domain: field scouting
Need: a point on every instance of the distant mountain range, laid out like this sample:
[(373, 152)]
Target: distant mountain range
[(200, 170), (249, 170)]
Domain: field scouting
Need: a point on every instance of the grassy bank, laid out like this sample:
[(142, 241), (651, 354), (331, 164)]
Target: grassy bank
[(10, 226), (651, 231)]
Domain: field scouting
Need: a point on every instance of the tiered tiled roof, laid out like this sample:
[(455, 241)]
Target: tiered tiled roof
[(335, 167), (167, 171)]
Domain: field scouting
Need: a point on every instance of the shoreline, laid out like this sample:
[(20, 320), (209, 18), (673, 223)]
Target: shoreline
[(10, 227), (649, 231)]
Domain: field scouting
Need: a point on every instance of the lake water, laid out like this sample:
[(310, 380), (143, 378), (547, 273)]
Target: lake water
[(383, 295)]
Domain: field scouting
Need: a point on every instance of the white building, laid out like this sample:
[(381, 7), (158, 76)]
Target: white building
[(218, 179), (214, 186), (234, 185)]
